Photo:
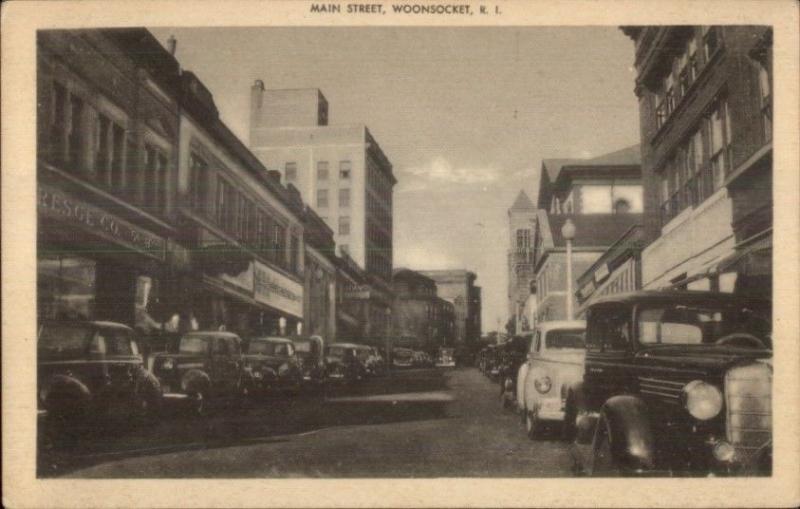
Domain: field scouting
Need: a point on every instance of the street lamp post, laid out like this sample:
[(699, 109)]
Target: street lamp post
[(568, 232)]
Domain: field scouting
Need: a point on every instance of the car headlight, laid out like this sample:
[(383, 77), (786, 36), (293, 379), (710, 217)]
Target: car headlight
[(543, 385), (283, 370), (702, 400), (167, 364), (257, 375)]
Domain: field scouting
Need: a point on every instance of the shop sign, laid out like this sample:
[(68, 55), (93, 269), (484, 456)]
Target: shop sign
[(56, 204), (278, 291)]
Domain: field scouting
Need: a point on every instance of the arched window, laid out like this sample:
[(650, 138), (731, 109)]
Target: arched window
[(622, 206)]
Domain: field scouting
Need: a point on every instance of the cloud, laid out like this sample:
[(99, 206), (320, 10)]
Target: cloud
[(418, 257), (441, 170)]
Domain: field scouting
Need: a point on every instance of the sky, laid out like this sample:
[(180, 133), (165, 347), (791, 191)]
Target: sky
[(465, 115)]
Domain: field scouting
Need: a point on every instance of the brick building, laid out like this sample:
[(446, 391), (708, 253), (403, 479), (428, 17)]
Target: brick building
[(706, 133), (458, 287), (420, 319)]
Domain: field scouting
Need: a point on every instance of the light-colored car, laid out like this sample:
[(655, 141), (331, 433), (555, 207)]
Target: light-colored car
[(555, 361)]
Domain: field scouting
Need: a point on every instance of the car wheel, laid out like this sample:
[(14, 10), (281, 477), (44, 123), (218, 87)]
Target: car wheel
[(603, 463), (198, 403), (533, 426)]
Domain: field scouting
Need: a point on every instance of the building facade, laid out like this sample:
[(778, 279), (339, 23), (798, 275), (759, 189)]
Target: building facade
[(108, 243), (320, 278), (341, 172), (521, 226), (706, 132), (602, 197), (458, 287), (420, 319)]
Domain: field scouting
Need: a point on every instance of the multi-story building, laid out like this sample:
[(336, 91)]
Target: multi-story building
[(602, 197), (108, 243), (420, 319), (320, 277), (521, 223), (341, 172), (458, 287), (705, 101)]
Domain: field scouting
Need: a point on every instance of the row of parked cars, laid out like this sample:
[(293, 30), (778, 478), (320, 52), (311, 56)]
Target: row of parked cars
[(652, 383), (92, 368)]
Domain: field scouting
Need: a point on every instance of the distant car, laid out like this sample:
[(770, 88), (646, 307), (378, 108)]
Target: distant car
[(513, 354), (206, 366), (675, 383), (445, 358), (92, 369), (343, 363), (402, 357), (311, 359), (555, 362), (273, 364)]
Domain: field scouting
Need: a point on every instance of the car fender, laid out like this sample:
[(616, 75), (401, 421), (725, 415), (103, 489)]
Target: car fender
[(522, 374), (58, 386), (631, 434), (194, 381), (532, 396)]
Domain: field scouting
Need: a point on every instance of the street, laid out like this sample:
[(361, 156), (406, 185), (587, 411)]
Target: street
[(412, 423)]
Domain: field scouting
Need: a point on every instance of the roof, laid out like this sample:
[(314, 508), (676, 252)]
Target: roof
[(213, 333), (344, 345), (561, 324), (271, 339), (592, 230), (682, 296), (522, 202)]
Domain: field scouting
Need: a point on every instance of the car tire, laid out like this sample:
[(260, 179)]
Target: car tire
[(533, 425), (603, 462), (198, 404)]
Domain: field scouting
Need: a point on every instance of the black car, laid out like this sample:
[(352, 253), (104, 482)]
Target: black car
[(343, 364), (675, 383), (94, 369)]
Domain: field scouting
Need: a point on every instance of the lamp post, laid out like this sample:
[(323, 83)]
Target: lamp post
[(568, 232)]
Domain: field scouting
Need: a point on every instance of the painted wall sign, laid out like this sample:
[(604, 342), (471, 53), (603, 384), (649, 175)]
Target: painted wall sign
[(278, 291), (56, 204)]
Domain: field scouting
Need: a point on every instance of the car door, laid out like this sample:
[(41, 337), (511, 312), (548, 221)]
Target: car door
[(608, 370)]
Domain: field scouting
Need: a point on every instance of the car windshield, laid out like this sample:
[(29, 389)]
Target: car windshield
[(193, 344), (707, 323), (575, 338), (64, 339), (336, 351), (113, 342), (302, 346), (363, 354), (270, 348)]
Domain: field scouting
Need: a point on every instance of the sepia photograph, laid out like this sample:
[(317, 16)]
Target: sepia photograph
[(324, 250)]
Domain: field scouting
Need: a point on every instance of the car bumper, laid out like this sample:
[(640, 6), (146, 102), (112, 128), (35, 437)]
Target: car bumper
[(551, 409)]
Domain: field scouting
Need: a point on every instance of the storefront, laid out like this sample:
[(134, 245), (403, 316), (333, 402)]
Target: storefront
[(93, 264)]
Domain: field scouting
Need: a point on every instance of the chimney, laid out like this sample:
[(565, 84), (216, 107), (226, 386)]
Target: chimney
[(256, 102), (274, 175), (172, 45)]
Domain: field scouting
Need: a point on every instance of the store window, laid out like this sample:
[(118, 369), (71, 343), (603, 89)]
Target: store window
[(66, 287), (200, 177)]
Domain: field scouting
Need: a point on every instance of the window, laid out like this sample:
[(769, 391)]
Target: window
[(610, 328), (226, 206), (279, 244), (102, 155), (58, 131), (155, 182), (344, 197), (322, 170), (75, 140), (295, 254), (344, 170), (322, 198), (344, 225), (711, 41), (523, 239), (199, 171), (622, 206), (719, 130), (765, 90), (290, 171)]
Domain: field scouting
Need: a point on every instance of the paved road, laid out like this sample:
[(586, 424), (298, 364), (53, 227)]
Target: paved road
[(415, 423)]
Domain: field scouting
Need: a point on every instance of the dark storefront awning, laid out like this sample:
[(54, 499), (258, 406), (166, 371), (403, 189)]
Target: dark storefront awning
[(222, 259)]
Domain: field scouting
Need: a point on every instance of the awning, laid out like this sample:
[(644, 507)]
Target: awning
[(222, 259)]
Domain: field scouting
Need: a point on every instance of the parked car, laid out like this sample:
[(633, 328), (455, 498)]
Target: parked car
[(311, 359), (273, 364), (514, 354), (555, 363), (675, 383), (343, 363), (205, 366), (402, 357), (445, 358), (92, 369)]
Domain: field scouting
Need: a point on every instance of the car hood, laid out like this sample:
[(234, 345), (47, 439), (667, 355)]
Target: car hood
[(568, 356), (701, 358)]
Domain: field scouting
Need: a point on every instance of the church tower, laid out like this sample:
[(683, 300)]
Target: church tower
[(521, 226)]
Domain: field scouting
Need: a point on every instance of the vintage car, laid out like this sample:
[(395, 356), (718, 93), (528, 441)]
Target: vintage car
[(273, 364), (372, 360), (675, 383), (204, 366), (310, 357), (92, 369), (513, 354), (555, 363), (445, 358), (402, 357), (343, 363)]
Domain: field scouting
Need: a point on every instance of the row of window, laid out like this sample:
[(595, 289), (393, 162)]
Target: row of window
[(377, 210), (698, 167), (379, 183), (241, 218), (87, 142), (684, 70), (379, 264), (323, 198), (523, 238), (323, 171)]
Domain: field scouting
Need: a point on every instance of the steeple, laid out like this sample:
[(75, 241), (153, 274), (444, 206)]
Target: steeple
[(522, 203)]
